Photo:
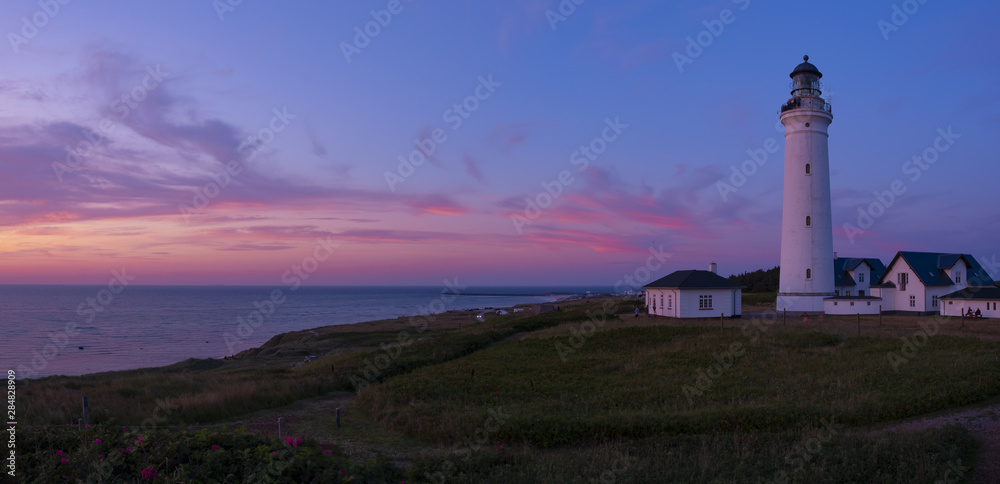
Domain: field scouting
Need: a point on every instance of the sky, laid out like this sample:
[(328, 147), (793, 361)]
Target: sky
[(523, 142)]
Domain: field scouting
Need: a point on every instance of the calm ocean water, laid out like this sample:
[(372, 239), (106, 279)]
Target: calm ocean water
[(145, 326)]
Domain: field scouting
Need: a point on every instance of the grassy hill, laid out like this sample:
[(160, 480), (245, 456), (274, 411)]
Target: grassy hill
[(581, 395)]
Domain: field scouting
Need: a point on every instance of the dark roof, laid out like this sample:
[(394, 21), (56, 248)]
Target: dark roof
[(842, 266), (852, 298), (975, 292), (694, 280), (930, 268), (884, 285), (805, 66)]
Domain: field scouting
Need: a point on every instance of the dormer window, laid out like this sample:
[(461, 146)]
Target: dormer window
[(809, 221), (808, 169), (861, 277), (958, 277)]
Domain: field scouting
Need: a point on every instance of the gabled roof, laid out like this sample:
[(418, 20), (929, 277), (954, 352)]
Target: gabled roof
[(693, 280), (929, 267), (975, 293), (842, 266)]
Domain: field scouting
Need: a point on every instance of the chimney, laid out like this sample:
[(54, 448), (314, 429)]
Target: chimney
[(713, 268), (835, 256)]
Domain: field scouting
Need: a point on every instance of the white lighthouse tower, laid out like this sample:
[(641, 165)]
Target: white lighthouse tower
[(806, 222)]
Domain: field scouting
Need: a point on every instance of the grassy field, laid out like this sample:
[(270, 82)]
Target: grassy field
[(581, 395)]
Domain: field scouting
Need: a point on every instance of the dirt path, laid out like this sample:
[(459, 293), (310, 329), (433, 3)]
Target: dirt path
[(983, 421)]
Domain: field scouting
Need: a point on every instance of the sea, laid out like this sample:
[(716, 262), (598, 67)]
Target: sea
[(75, 330)]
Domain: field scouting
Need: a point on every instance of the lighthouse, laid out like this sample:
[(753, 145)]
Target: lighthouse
[(806, 222)]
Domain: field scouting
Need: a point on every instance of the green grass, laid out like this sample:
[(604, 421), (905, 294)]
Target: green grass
[(614, 409), (206, 391), (630, 383)]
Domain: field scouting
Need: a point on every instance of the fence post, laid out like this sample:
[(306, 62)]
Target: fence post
[(338, 417), (280, 420), (859, 324), (86, 412)]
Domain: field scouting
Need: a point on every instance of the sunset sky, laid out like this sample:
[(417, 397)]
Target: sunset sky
[(116, 115)]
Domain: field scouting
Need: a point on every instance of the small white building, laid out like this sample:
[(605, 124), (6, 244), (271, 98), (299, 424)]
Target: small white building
[(694, 294), (985, 299), (915, 282), (853, 279)]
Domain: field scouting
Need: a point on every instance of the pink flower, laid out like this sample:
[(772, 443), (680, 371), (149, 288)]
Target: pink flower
[(215, 447), (98, 441), (59, 452), (100, 456), (273, 452), (62, 461), (148, 473), (327, 452), (140, 439), (124, 428)]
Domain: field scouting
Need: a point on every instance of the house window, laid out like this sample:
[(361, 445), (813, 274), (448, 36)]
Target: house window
[(903, 278), (869, 303), (704, 302), (670, 302), (835, 303), (913, 301), (861, 277), (661, 300), (852, 303), (958, 277), (934, 301), (808, 169), (861, 293), (809, 273), (848, 292), (809, 221)]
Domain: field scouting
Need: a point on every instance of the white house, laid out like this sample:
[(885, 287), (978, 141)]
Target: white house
[(915, 282), (985, 299), (694, 294), (853, 279)]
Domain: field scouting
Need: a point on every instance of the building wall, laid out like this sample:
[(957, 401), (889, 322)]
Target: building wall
[(846, 307), (899, 300), (865, 285), (686, 302), (957, 307)]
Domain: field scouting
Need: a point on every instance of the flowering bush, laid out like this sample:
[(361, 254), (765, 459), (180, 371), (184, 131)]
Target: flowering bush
[(110, 453)]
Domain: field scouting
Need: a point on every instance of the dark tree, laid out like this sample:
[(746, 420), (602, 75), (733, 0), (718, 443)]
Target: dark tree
[(758, 280)]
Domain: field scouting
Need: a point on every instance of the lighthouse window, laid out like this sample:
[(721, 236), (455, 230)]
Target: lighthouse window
[(807, 125), (808, 221), (809, 274), (808, 169)]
